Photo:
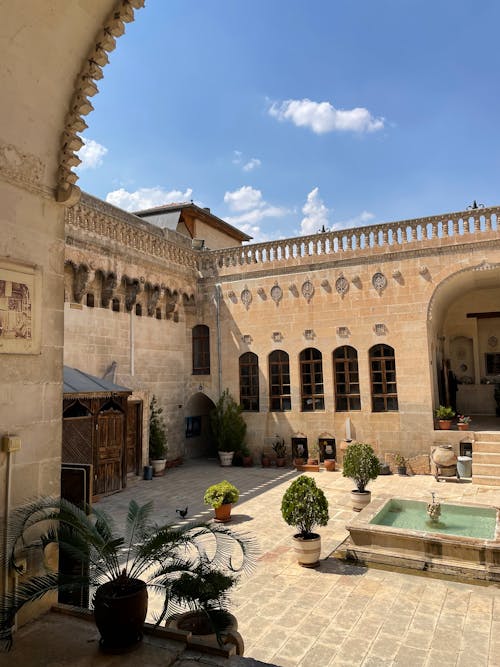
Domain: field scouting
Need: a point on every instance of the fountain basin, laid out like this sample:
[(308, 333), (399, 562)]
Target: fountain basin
[(397, 531)]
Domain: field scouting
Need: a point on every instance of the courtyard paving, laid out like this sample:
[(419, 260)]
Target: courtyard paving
[(337, 614)]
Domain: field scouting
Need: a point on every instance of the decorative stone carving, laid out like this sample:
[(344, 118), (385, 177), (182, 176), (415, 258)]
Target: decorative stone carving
[(276, 293), (277, 336), (308, 290), (20, 168), (108, 287), (379, 281), (153, 298), (380, 329), (132, 289), (309, 334), (492, 341), (246, 338), (342, 285), (80, 282), (246, 297), (262, 293), (343, 332)]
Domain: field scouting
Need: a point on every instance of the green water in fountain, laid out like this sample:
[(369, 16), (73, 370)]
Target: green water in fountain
[(463, 520)]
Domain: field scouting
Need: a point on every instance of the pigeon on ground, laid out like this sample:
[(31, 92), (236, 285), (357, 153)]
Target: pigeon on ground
[(182, 513)]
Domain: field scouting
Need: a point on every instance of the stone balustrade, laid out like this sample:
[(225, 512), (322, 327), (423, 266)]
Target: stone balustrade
[(399, 236)]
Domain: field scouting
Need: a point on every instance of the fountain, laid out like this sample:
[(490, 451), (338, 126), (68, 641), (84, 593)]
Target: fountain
[(434, 509)]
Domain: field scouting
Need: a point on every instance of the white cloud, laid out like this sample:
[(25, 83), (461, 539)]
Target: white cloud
[(250, 208), (363, 218), (322, 117), (237, 157), (315, 212), (146, 198), (243, 199), (91, 154), (253, 163)]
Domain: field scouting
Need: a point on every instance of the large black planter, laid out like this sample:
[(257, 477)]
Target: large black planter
[(120, 609)]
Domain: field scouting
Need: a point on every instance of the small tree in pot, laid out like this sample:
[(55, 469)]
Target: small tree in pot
[(157, 437), (305, 506), (361, 465), (221, 497), (228, 427)]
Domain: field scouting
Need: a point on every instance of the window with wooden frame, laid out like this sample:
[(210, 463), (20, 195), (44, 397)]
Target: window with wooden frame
[(346, 379), (249, 382), (383, 379), (311, 380), (279, 382), (201, 350)]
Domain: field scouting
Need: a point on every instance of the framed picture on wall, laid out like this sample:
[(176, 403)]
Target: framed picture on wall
[(20, 308)]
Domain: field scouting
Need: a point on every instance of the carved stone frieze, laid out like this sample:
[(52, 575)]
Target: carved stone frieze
[(19, 167), (308, 290), (109, 283), (67, 191)]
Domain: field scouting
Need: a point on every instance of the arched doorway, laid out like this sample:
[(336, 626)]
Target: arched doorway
[(198, 437), (464, 318)]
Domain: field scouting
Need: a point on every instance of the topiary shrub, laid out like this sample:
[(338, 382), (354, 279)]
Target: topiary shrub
[(223, 493), (228, 426), (157, 432), (360, 464), (304, 506)]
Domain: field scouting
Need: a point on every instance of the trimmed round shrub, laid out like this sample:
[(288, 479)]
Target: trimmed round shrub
[(304, 506)]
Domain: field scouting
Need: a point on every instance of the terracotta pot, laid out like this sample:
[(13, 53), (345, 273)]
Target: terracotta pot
[(247, 461), (307, 550), (196, 623), (444, 424), (329, 465), (280, 462), (265, 461), (445, 460), (298, 462), (312, 462), (360, 499), (119, 613), (463, 427), (402, 470), (223, 513)]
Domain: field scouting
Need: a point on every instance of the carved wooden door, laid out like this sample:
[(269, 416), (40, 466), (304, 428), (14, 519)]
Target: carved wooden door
[(77, 440), (108, 452), (134, 436)]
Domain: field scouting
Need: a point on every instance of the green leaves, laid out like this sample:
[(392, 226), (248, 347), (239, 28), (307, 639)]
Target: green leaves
[(304, 505), (222, 493), (360, 464), (228, 426)]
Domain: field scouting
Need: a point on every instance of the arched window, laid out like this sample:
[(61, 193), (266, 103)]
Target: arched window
[(311, 380), (279, 382), (201, 350), (383, 378), (346, 379), (249, 382)]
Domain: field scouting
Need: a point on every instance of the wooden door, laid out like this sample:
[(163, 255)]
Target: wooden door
[(109, 452), (134, 436), (77, 440)]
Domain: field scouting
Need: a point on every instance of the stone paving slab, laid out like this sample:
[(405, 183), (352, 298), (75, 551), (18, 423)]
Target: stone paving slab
[(337, 614)]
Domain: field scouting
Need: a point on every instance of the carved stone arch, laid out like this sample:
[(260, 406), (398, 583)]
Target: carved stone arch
[(153, 294), (85, 87), (108, 286), (132, 287)]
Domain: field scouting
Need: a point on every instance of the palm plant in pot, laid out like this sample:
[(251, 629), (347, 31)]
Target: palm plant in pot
[(221, 497), (189, 567), (157, 438), (228, 427), (305, 506), (361, 465)]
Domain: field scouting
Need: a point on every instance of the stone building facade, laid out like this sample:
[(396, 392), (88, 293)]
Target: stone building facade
[(340, 332)]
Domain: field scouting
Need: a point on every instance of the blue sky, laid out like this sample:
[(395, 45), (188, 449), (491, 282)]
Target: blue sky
[(286, 115)]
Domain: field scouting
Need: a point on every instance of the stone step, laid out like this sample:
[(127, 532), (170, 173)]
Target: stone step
[(487, 480), (491, 436), (485, 457), (492, 469), (486, 446)]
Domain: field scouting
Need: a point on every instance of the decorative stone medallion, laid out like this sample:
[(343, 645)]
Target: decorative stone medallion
[(492, 341), (308, 290), (276, 293), (379, 281), (342, 285), (246, 297)]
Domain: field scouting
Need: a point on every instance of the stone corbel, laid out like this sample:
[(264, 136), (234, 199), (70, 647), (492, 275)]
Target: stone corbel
[(108, 287), (132, 289), (80, 282), (153, 298)]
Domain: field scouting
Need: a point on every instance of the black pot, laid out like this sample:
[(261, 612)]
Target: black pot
[(120, 609), (402, 470)]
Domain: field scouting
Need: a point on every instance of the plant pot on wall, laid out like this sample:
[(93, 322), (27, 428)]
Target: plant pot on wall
[(444, 424), (463, 427)]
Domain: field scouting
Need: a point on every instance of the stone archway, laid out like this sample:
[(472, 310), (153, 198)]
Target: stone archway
[(198, 441), (464, 332)]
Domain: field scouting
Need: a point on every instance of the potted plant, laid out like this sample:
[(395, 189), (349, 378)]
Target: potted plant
[(280, 451), (313, 458), (265, 459), (221, 497), (304, 506), (463, 422), (173, 561), (228, 427), (157, 438), (246, 457), (444, 415), (400, 462), (361, 465)]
